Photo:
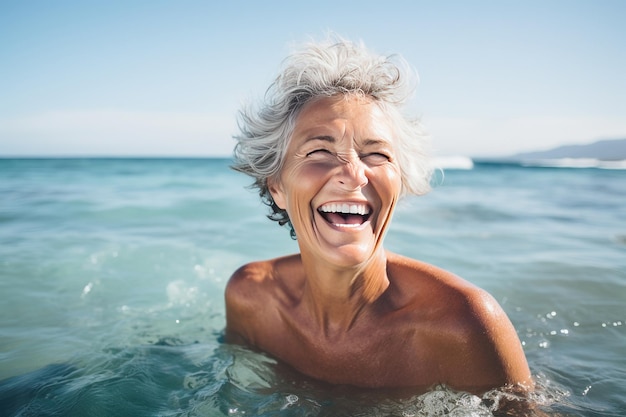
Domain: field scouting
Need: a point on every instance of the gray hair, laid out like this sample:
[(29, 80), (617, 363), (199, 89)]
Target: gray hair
[(325, 69)]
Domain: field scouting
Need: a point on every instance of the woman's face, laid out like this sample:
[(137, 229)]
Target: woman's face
[(340, 180)]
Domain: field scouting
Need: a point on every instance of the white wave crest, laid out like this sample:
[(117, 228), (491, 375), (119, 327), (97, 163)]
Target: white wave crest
[(453, 162), (575, 163)]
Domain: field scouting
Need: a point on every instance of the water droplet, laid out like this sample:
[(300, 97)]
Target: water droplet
[(290, 400), (87, 289)]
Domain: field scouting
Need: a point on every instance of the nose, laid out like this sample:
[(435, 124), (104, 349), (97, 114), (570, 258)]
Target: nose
[(352, 175)]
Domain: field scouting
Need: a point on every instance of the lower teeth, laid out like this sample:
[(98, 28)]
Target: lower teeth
[(347, 225)]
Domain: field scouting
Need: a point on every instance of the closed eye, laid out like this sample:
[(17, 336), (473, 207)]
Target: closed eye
[(375, 158), (319, 151)]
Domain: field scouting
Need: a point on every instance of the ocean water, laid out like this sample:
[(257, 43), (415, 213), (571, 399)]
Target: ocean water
[(112, 274)]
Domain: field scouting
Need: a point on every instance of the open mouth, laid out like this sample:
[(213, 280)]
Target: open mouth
[(345, 214)]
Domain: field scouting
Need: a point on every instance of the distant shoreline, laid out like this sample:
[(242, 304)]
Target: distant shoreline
[(443, 163)]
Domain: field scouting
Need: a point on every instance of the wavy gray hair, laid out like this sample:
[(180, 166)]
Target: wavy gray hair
[(326, 69)]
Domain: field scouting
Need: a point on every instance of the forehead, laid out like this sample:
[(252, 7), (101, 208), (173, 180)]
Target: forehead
[(362, 115)]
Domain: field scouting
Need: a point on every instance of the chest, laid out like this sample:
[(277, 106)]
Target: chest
[(365, 358)]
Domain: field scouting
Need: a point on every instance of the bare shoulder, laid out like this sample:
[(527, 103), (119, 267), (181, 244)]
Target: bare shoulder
[(464, 301), (250, 293), (431, 283), (241, 297), (254, 280), (472, 335), (248, 277)]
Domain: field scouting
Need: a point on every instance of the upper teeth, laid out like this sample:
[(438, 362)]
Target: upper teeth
[(345, 208)]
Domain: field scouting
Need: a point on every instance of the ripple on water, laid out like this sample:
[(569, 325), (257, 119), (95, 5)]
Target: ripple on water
[(175, 378)]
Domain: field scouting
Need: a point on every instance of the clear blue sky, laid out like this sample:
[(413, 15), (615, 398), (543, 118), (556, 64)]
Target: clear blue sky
[(166, 77)]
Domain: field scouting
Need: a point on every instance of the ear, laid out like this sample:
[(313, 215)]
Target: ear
[(278, 194)]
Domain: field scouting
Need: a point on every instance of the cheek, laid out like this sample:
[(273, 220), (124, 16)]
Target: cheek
[(303, 182), (390, 180)]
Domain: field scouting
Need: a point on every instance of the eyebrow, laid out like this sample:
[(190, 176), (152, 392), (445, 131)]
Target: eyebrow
[(324, 138), (330, 139), (370, 142)]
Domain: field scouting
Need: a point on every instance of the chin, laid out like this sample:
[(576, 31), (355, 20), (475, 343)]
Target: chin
[(349, 256)]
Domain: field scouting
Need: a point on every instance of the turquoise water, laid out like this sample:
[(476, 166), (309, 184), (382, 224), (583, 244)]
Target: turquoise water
[(112, 274)]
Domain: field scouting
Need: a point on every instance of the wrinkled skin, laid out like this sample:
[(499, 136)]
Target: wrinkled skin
[(344, 310)]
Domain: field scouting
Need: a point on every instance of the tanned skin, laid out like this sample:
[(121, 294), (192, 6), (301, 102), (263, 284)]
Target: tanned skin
[(428, 327), (346, 311)]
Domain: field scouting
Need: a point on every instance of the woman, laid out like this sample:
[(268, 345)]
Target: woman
[(331, 153)]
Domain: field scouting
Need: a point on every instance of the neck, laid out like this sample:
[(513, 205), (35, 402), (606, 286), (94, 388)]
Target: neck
[(338, 296)]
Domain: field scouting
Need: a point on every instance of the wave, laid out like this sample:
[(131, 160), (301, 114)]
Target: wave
[(453, 162), (619, 164), (575, 163)]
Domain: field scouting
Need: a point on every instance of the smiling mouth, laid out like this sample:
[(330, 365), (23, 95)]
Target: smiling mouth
[(345, 214)]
